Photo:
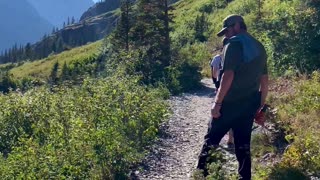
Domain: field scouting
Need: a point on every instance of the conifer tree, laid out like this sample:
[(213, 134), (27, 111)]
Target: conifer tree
[(65, 75), (68, 22), (73, 20), (151, 36), (28, 51), (53, 78), (124, 25), (200, 27)]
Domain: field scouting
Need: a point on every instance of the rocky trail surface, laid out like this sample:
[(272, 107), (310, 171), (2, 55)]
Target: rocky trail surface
[(174, 156)]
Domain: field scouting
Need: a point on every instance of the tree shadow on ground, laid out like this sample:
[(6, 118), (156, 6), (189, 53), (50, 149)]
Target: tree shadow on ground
[(204, 90)]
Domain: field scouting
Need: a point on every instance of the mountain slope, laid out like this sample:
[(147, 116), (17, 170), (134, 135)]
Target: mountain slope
[(41, 69), (58, 11), (21, 23), (100, 8)]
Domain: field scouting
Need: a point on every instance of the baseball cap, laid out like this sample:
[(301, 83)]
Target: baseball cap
[(228, 22)]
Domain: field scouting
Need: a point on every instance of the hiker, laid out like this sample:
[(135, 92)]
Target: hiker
[(241, 95), (215, 65)]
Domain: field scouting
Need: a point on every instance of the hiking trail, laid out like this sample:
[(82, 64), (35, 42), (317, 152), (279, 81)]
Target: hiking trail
[(175, 154)]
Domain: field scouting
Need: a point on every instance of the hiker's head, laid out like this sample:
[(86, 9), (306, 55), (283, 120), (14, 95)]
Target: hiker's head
[(232, 25)]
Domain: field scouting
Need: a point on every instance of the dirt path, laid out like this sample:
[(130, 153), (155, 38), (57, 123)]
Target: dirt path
[(175, 155)]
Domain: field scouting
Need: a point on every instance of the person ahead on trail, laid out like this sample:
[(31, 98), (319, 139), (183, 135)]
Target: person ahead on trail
[(215, 65), (242, 94)]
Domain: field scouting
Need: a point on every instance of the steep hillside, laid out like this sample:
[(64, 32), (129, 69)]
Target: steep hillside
[(74, 35), (20, 24), (290, 47), (58, 11), (40, 69), (100, 8)]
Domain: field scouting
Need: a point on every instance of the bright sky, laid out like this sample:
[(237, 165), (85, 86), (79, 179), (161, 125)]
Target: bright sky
[(95, 1)]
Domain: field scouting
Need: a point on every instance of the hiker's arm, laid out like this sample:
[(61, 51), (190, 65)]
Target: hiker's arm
[(225, 85), (232, 57), (226, 82), (264, 81)]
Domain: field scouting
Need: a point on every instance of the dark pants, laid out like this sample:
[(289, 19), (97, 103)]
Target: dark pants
[(216, 82), (237, 116)]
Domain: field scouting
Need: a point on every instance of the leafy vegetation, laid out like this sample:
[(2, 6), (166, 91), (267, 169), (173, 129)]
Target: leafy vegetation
[(276, 23), (97, 130), (298, 114)]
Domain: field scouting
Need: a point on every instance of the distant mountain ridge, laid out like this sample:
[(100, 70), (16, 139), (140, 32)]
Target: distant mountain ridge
[(58, 11), (20, 24)]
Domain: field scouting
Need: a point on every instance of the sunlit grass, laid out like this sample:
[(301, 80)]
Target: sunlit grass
[(41, 69)]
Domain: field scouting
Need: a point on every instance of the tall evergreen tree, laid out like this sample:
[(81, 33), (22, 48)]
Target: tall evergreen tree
[(200, 26), (164, 16), (53, 30), (68, 22), (28, 51), (124, 25), (73, 20), (65, 72), (151, 36)]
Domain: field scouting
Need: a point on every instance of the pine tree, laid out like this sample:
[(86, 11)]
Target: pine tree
[(53, 78), (28, 51), (68, 22), (200, 26), (164, 16), (121, 35), (14, 53), (65, 73), (53, 30), (72, 20), (151, 36)]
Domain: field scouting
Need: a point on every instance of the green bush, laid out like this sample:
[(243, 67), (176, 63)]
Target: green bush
[(299, 114), (291, 30), (95, 131)]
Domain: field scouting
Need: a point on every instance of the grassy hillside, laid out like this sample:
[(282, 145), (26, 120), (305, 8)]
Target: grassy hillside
[(290, 46), (41, 69)]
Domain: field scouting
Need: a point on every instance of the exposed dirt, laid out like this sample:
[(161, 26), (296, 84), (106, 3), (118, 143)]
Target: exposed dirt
[(175, 154)]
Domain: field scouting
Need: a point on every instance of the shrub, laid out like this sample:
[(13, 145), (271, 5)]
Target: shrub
[(95, 131)]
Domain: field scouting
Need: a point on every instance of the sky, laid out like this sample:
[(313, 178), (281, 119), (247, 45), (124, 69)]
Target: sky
[(95, 1)]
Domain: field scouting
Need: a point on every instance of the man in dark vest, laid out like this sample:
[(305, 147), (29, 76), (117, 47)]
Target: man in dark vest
[(241, 96)]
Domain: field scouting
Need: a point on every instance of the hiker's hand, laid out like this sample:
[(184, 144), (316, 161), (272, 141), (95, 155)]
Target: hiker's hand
[(259, 117), (215, 110)]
